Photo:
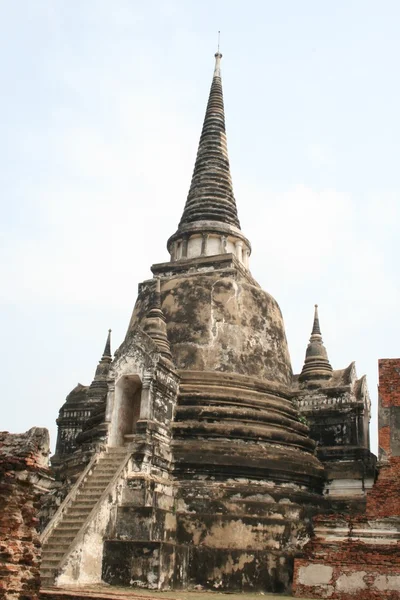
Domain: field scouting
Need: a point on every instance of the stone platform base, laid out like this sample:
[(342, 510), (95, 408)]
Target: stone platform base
[(105, 592)]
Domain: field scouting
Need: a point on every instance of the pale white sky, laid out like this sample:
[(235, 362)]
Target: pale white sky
[(100, 113)]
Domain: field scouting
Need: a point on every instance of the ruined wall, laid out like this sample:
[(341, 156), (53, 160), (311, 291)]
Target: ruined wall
[(23, 480), (358, 557), (384, 499)]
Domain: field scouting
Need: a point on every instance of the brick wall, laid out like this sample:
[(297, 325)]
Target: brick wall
[(389, 381), (23, 478), (384, 498), (346, 564)]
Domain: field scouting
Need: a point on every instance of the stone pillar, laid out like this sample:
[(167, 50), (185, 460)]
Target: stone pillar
[(239, 250), (246, 258), (185, 246), (204, 244), (110, 400), (174, 251), (224, 241), (145, 403)]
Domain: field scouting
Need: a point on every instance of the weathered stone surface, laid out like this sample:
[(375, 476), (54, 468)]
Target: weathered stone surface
[(337, 410), (221, 320)]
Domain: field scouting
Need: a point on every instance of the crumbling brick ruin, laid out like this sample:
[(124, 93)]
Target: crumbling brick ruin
[(356, 554), (196, 459), (24, 478)]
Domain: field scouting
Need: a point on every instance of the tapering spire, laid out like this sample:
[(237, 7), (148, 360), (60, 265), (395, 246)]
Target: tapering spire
[(107, 348), (209, 225), (316, 328), (155, 324), (316, 364), (98, 387), (211, 196)]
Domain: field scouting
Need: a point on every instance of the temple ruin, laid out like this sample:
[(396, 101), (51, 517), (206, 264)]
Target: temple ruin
[(196, 459)]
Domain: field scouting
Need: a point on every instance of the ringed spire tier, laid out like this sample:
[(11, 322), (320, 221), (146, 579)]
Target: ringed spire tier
[(210, 223), (316, 364)]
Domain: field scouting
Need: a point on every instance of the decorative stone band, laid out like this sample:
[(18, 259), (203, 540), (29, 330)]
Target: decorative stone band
[(209, 238), (322, 401)]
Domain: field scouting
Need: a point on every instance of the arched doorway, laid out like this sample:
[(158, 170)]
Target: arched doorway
[(126, 411)]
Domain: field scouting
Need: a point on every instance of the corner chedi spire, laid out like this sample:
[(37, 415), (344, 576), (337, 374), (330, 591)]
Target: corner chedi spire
[(155, 325), (84, 407), (107, 348), (99, 384), (316, 364), (210, 225)]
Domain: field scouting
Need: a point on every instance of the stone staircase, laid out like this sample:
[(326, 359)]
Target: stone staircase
[(77, 512)]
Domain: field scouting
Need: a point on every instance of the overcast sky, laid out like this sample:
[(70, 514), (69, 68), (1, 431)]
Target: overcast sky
[(101, 108)]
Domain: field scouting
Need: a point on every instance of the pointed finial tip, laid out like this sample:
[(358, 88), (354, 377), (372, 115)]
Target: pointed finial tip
[(218, 53), (109, 331)]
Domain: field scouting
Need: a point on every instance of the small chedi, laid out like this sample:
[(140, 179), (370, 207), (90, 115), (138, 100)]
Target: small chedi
[(196, 459)]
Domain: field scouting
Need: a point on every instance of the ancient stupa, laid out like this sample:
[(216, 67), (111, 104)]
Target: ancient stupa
[(187, 463)]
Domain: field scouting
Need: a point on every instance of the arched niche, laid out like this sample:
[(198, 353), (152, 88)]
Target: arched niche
[(126, 411)]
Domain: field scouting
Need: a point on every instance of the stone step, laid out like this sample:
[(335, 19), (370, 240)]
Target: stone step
[(82, 502), (89, 495), (76, 506), (65, 541), (94, 487), (47, 572), (51, 563), (64, 537), (53, 552), (71, 523), (104, 481), (53, 559), (67, 531), (103, 473), (53, 545), (90, 488), (105, 470), (64, 528), (79, 512)]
